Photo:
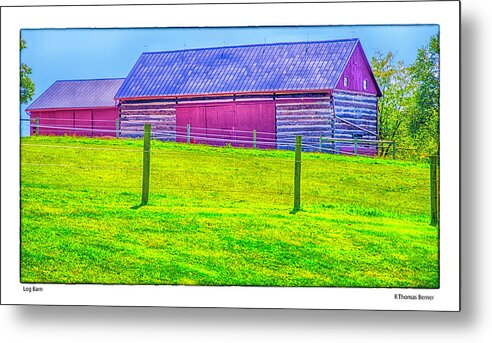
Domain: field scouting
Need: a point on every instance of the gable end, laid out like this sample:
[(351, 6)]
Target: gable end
[(357, 75)]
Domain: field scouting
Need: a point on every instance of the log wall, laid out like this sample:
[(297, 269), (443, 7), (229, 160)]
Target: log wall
[(340, 115), (309, 118), (161, 114), (356, 116)]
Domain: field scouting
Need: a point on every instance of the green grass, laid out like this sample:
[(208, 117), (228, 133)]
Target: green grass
[(221, 216)]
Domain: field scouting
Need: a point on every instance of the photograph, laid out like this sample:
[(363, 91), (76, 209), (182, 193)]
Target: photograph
[(289, 163), (262, 164)]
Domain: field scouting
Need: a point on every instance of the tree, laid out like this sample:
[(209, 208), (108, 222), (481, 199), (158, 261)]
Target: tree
[(409, 108), (26, 85), (396, 85), (424, 119)]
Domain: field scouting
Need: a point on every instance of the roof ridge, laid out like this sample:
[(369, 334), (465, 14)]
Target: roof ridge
[(98, 79), (252, 45)]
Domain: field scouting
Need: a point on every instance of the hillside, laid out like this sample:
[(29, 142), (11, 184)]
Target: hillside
[(221, 216)]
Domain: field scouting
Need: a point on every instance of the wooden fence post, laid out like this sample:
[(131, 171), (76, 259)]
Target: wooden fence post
[(37, 126), (254, 139), (117, 128), (297, 175), (393, 152), (320, 143), (355, 146), (146, 165), (188, 133), (434, 195)]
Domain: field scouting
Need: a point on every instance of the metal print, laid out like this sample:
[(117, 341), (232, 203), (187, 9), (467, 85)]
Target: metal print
[(301, 158)]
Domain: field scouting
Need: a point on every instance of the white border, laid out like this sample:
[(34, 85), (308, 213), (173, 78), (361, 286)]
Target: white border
[(445, 14)]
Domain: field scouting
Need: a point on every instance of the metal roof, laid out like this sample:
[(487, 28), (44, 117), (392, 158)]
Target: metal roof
[(78, 94), (236, 69)]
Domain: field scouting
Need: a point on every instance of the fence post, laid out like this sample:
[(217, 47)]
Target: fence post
[(355, 146), (320, 143), (37, 126), (434, 196), (188, 133), (393, 152), (146, 165), (254, 139), (117, 128), (297, 175)]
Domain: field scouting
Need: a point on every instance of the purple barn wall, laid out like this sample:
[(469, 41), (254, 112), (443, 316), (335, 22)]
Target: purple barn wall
[(358, 70), (83, 120), (221, 124), (222, 120), (89, 122)]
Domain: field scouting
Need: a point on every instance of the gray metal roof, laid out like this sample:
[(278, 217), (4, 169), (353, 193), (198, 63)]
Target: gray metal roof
[(78, 94), (235, 69)]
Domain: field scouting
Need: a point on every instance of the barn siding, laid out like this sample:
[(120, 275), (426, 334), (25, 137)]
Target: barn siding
[(161, 114), (358, 109), (310, 118), (83, 121), (228, 122), (104, 121), (358, 70), (309, 115), (76, 122)]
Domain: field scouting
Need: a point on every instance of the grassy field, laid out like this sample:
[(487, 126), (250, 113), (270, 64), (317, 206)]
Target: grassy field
[(221, 216)]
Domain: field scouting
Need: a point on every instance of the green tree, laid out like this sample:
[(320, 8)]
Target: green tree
[(424, 118), (26, 85), (396, 85)]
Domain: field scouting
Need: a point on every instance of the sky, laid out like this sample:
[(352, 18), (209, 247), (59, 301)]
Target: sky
[(72, 54)]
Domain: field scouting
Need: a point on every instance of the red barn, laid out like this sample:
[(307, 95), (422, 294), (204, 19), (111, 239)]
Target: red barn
[(225, 95), (76, 107)]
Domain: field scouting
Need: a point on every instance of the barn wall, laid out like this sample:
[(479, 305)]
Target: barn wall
[(358, 70), (310, 118), (53, 123), (232, 119), (76, 122), (227, 122), (217, 121), (160, 113), (104, 121), (360, 110), (83, 121)]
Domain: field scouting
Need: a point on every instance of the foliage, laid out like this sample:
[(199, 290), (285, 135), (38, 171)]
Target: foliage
[(396, 85), (26, 84), (409, 108), (424, 121), (220, 216)]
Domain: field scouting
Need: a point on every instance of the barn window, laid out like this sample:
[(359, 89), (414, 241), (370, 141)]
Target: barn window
[(365, 84), (345, 81)]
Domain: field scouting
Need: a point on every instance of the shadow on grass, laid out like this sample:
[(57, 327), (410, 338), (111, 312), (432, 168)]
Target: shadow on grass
[(136, 207)]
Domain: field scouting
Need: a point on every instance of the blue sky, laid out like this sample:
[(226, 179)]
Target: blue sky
[(66, 54)]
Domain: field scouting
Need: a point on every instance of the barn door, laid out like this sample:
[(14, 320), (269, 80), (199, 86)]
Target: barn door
[(220, 125), (233, 124), (83, 122), (194, 116), (259, 117), (56, 122), (104, 122)]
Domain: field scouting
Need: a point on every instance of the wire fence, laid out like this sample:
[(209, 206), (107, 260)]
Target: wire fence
[(314, 141), (186, 172)]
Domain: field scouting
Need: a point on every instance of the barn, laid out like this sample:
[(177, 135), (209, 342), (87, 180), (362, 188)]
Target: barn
[(266, 93), (76, 107)]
